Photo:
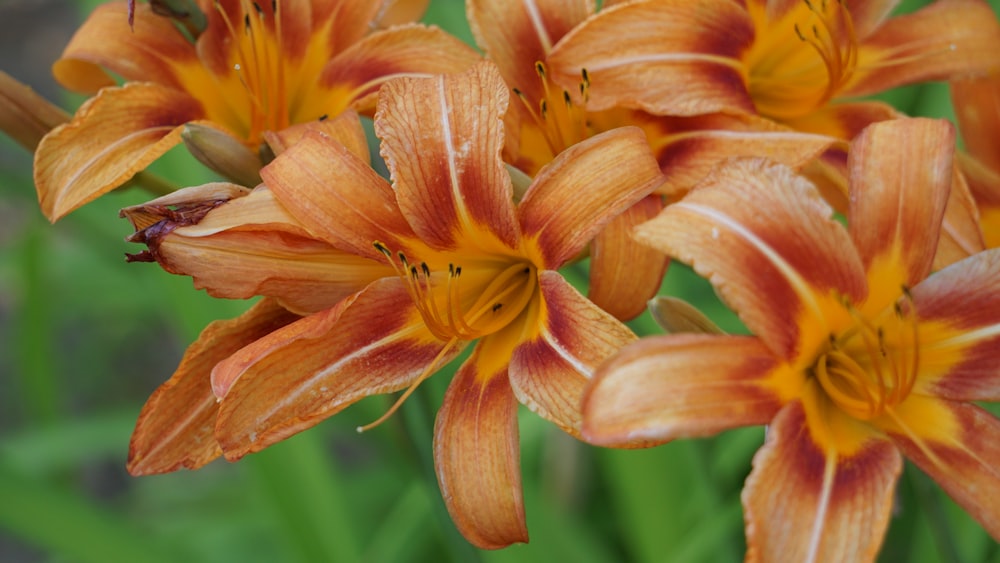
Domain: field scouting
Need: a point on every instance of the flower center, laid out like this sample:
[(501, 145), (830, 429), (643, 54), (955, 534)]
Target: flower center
[(258, 61), (871, 368), (559, 120), (466, 304), (802, 61)]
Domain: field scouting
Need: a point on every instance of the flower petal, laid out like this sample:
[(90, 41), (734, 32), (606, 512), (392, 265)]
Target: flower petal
[(550, 368), (477, 455), (624, 274), (959, 314), (153, 50), (943, 40), (958, 445), (407, 50), (806, 503), (843, 120), (345, 128), (679, 386), (656, 47), (373, 342), (175, 428), (441, 139), (977, 107), (900, 176), (696, 144), (114, 135), (583, 189), (783, 271), (961, 232), (337, 196), (529, 31)]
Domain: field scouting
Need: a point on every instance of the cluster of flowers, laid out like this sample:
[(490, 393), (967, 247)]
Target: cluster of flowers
[(726, 134)]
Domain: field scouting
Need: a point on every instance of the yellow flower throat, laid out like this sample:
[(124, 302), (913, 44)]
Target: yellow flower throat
[(869, 368), (465, 305)]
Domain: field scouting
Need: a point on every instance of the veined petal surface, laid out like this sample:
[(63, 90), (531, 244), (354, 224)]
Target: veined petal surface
[(678, 386), (476, 451), (638, 53), (959, 312), (584, 188), (337, 196), (803, 502), (784, 271), (550, 368), (295, 377), (441, 139), (114, 135), (900, 176), (177, 424)]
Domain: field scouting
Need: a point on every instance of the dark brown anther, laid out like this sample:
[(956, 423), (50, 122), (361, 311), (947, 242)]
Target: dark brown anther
[(497, 306), (425, 269), (324, 117)]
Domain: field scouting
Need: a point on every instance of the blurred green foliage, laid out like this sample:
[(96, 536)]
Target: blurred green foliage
[(86, 338)]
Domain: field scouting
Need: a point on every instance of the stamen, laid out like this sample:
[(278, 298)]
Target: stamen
[(426, 373)]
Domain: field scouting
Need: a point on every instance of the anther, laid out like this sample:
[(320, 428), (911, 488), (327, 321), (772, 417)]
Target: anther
[(324, 117)]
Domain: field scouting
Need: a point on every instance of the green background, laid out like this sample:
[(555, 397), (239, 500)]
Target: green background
[(85, 338)]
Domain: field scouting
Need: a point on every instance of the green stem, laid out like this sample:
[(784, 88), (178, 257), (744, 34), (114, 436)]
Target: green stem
[(416, 420), (151, 183)]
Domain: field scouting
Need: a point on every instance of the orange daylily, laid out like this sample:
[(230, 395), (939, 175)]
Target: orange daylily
[(457, 261), (796, 62), (546, 119), (859, 353), (977, 107), (256, 67)]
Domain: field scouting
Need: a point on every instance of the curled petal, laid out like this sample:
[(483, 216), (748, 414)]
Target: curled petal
[(961, 232), (624, 274), (943, 40), (153, 50), (666, 387), (584, 188), (407, 50), (114, 135), (337, 196), (177, 423), (550, 368), (371, 343), (806, 502), (477, 455)]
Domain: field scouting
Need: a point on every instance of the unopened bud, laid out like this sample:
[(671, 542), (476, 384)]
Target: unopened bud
[(223, 153), (676, 316)]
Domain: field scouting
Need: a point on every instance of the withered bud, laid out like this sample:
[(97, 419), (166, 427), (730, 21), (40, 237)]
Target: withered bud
[(676, 316), (24, 115), (156, 219), (223, 153)]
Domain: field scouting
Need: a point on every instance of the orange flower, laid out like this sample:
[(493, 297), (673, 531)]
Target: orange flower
[(859, 354), (791, 61), (547, 118), (256, 67), (457, 260)]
